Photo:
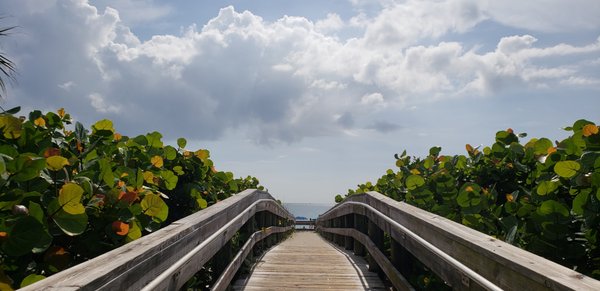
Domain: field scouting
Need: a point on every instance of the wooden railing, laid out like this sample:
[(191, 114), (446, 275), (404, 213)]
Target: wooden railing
[(463, 258), (169, 257)]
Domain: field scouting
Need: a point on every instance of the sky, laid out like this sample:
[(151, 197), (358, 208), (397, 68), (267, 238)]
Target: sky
[(312, 97)]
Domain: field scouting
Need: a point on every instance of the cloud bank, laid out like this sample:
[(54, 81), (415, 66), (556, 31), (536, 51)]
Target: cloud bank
[(293, 78)]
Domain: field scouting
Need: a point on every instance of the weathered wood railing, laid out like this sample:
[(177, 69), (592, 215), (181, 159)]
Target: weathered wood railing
[(167, 258), (464, 258)]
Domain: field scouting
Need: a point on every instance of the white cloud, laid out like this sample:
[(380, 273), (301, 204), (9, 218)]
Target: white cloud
[(101, 106), (332, 23)]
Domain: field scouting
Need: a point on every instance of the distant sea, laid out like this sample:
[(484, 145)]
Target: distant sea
[(308, 210)]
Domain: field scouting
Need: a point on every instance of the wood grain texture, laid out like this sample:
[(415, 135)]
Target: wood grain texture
[(305, 261), (507, 266)]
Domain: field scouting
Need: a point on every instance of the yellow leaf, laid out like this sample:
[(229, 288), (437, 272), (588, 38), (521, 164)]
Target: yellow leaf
[(117, 136), (134, 232), (56, 163), (157, 161), (40, 122), (69, 198), (202, 154), (61, 112), (469, 189), (589, 129), (551, 150), (11, 126), (103, 124), (509, 198), (415, 172), (149, 177)]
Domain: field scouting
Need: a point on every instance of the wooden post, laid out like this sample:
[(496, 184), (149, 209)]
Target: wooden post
[(221, 259), (401, 258), (376, 235), (260, 222), (348, 223), (360, 225), (339, 223), (249, 229)]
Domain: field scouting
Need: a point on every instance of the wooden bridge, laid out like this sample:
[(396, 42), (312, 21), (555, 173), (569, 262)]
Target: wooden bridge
[(394, 237)]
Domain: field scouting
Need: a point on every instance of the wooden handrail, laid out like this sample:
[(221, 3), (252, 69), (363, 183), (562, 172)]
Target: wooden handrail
[(134, 265), (503, 264)]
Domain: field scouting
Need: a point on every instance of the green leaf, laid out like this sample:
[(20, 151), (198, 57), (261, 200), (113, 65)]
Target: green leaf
[(178, 170), (469, 198), (56, 163), (36, 211), (170, 179), (541, 146), (139, 180), (428, 163), (579, 124), (170, 153), (70, 224), (154, 139), (103, 127), (506, 137), (579, 202), (26, 167), (106, 173), (435, 151), (567, 169), (23, 236), (552, 207), (31, 279), (69, 198), (414, 181), (546, 187), (154, 206), (13, 110), (202, 203), (181, 142)]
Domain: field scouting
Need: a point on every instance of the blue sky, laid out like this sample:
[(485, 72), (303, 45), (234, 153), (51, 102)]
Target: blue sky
[(312, 97)]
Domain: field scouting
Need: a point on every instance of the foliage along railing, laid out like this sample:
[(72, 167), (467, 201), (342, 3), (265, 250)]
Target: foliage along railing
[(463, 258), (167, 258), (68, 194), (541, 196)]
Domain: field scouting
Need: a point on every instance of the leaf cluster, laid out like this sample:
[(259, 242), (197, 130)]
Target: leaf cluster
[(541, 196), (68, 194)]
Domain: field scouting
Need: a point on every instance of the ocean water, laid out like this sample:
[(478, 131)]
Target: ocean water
[(308, 210)]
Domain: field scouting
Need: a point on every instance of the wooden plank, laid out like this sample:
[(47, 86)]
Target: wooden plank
[(505, 265), (134, 265), (399, 282), (225, 278), (307, 262)]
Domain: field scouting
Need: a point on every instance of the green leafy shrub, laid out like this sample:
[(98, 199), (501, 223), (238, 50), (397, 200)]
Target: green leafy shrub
[(540, 196), (67, 196)]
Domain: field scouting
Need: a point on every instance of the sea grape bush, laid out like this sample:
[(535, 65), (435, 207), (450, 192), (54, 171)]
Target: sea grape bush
[(68, 195), (541, 196)]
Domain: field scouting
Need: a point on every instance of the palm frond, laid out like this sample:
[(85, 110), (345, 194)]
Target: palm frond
[(7, 67)]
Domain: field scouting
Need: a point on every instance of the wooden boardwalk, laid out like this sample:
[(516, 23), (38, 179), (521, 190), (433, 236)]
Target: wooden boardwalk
[(306, 261)]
